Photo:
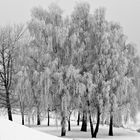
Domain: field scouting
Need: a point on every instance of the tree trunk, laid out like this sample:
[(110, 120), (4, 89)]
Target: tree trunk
[(63, 123), (111, 126), (38, 116), (29, 117), (78, 120), (48, 117), (90, 120), (8, 107), (22, 115), (91, 125), (84, 122), (97, 125), (63, 116), (22, 111), (69, 126)]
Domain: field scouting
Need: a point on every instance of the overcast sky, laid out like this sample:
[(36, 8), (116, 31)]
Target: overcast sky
[(125, 12)]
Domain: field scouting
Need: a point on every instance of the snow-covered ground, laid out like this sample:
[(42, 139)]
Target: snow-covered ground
[(75, 133), (14, 131)]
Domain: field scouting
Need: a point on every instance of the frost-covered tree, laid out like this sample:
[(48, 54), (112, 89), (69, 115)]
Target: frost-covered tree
[(79, 63), (86, 90), (98, 64), (41, 29), (9, 40), (23, 91), (73, 93), (80, 43), (114, 68)]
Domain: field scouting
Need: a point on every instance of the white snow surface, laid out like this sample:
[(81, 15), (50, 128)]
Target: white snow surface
[(76, 134), (15, 131), (12, 131)]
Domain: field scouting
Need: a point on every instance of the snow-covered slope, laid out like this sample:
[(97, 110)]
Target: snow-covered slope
[(13, 131), (76, 134)]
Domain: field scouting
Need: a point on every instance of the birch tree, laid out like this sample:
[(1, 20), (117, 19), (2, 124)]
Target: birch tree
[(9, 39)]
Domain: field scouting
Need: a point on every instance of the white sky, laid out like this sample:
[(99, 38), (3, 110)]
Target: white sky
[(126, 12)]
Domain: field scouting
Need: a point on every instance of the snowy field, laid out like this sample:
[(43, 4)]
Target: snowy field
[(15, 131), (75, 133)]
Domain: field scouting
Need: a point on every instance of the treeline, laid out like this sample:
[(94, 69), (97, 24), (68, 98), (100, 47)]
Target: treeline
[(59, 64)]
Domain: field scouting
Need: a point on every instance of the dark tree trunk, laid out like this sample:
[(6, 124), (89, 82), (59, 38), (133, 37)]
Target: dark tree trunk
[(22, 111), (69, 126), (91, 125), (84, 122), (8, 107), (38, 116), (22, 115), (90, 120), (63, 123), (78, 120), (111, 126), (48, 117), (63, 115), (97, 125)]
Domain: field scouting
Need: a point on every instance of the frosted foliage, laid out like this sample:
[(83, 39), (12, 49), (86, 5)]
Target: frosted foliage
[(54, 10), (23, 89), (36, 27), (78, 63), (73, 39), (62, 35), (82, 88), (80, 12), (89, 83), (54, 64), (72, 72), (39, 13), (50, 48)]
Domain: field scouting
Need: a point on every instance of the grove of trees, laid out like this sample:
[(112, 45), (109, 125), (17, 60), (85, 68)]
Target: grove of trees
[(59, 64)]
